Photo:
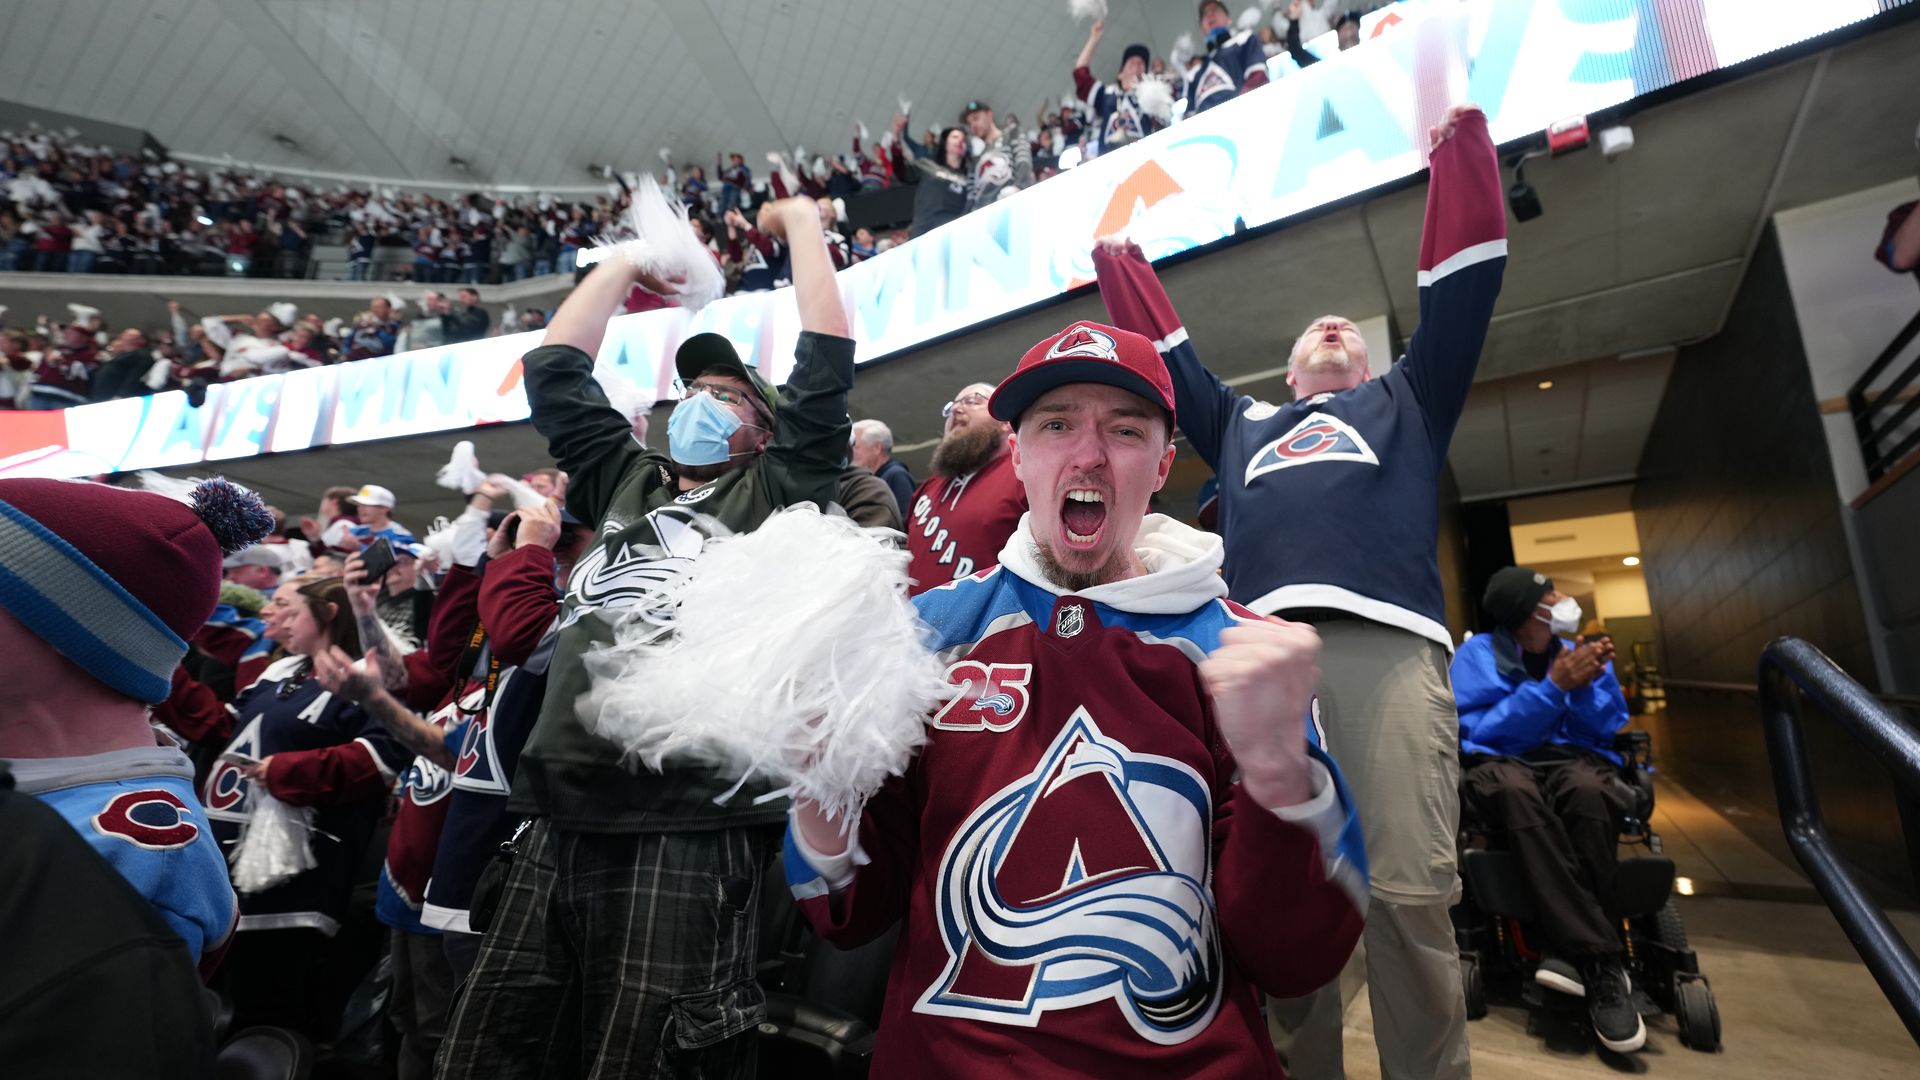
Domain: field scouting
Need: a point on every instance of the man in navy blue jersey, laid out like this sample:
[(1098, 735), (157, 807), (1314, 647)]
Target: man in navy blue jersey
[(1329, 507)]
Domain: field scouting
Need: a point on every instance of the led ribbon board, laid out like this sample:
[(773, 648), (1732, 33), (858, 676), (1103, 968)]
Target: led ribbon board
[(1348, 125)]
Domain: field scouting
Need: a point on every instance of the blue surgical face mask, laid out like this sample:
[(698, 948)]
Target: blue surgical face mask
[(698, 430), (1217, 35)]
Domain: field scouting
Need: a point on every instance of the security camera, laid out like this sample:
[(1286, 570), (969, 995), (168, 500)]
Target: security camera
[(1616, 140)]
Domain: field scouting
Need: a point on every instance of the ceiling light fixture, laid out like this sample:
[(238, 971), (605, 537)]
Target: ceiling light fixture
[(1546, 384), (1631, 560)]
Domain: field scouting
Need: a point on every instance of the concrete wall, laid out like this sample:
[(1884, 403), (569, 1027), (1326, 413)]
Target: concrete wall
[(1740, 528)]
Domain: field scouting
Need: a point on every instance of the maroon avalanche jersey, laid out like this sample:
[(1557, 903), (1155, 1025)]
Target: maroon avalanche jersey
[(960, 523)]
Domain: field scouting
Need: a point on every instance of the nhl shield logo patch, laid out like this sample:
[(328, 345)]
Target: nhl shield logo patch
[(1071, 620), (1317, 437)]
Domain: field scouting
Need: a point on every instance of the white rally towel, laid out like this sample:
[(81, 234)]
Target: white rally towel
[(274, 845), (666, 247), (817, 682)]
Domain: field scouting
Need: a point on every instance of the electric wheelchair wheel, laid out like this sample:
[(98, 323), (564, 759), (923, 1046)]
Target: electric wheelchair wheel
[(1697, 1014), (1475, 985)]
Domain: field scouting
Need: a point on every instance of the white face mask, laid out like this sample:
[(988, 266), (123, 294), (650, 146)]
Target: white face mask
[(1564, 616)]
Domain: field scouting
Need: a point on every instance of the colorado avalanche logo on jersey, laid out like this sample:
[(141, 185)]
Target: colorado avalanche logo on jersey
[(1318, 437), (623, 577), (1084, 882), (1213, 80)]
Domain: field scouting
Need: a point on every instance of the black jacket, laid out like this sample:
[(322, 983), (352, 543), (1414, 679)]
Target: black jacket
[(95, 983), (121, 376)]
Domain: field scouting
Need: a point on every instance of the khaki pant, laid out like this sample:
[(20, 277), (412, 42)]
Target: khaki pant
[(1387, 707)]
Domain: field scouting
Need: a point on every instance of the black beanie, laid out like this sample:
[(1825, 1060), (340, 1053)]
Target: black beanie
[(1512, 594)]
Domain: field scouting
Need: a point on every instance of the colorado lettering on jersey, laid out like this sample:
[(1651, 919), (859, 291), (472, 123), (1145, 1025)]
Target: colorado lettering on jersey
[(1316, 438), (1087, 881), (992, 697), (928, 523)]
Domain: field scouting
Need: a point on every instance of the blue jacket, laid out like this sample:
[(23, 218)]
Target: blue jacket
[(1503, 710)]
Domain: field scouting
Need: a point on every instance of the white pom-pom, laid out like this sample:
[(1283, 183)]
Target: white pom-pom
[(459, 542), (623, 393), (1155, 98), (886, 139), (906, 106), (827, 714), (523, 496), (666, 247), (666, 155), (462, 472), (274, 846), (861, 127), (819, 167), (1087, 9), (775, 157), (1249, 19)]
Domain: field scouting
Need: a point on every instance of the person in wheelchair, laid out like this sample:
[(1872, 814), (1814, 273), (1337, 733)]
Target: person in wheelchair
[(1538, 715)]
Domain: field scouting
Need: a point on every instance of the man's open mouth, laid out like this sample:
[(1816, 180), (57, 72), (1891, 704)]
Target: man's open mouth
[(1083, 513)]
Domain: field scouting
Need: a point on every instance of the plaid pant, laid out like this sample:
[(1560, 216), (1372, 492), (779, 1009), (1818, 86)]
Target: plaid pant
[(616, 956)]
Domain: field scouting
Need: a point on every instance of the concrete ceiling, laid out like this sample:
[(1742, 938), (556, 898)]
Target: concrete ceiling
[(1636, 255), (534, 93), (1580, 424)]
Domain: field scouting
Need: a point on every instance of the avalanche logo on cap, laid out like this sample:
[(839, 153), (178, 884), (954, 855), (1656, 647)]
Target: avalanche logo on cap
[(1084, 341), (1318, 437)]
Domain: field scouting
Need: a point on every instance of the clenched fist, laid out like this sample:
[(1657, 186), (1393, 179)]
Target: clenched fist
[(1262, 680)]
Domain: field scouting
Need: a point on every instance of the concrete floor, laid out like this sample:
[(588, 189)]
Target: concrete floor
[(1795, 1000)]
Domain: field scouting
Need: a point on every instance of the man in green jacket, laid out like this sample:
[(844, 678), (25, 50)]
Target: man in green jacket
[(623, 943)]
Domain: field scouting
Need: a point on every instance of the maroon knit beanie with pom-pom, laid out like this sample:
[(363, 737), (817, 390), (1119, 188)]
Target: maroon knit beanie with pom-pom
[(116, 579)]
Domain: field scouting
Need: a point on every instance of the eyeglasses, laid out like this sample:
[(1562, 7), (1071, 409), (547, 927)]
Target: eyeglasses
[(964, 401), (724, 394)]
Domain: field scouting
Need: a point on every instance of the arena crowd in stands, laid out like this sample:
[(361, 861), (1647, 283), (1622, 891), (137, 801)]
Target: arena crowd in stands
[(66, 206)]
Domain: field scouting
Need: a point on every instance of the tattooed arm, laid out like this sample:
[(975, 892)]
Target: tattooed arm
[(373, 634), (361, 685)]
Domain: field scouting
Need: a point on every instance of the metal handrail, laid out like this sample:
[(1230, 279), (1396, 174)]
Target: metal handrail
[(1910, 701), (1790, 668)]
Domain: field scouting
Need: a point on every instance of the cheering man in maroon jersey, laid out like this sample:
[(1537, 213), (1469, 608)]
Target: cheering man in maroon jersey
[(964, 512)]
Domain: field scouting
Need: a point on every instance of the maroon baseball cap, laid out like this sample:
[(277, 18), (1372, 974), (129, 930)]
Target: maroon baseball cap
[(1085, 352)]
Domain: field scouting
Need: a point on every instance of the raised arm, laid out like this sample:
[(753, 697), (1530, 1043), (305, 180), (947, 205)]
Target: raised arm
[(798, 222), (1463, 255), (811, 428), (1295, 48), (1135, 301), (586, 436), (1085, 59)]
